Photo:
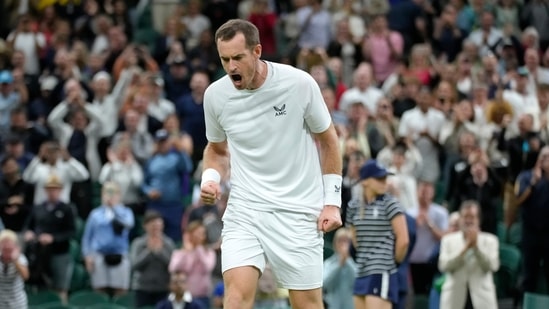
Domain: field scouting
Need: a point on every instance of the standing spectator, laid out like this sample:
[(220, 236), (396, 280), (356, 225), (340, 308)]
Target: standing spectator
[(383, 48), (49, 229), (9, 99), (532, 199), (15, 196), (523, 150), (33, 134), (431, 224), (316, 24), (15, 148), (14, 272), (197, 261), (190, 110), (165, 173), (423, 125), (158, 107), (179, 296), (363, 90), (487, 38), (123, 169), (54, 160), (447, 35), (195, 23), (480, 183), (469, 258), (105, 243), (142, 144), (81, 134), (380, 236), (30, 42), (340, 272), (150, 256), (265, 20)]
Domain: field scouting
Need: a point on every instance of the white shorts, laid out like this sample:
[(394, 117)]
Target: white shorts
[(290, 242)]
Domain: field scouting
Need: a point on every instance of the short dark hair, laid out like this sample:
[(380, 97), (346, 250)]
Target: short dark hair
[(151, 215), (231, 28), (467, 204)]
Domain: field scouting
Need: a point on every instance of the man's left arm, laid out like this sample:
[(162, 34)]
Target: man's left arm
[(331, 165), (487, 253)]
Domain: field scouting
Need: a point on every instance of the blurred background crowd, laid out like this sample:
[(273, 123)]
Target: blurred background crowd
[(102, 132)]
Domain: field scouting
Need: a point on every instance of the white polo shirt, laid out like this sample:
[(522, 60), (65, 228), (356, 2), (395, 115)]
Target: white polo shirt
[(274, 160)]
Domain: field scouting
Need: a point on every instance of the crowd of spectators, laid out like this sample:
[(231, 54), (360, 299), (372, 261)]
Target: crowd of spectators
[(101, 120)]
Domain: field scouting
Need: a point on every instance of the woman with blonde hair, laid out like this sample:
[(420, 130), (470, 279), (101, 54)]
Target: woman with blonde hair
[(14, 272)]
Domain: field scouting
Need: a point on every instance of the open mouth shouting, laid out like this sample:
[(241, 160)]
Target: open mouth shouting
[(237, 79)]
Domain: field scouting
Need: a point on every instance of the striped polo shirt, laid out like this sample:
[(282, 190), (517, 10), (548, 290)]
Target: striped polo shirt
[(375, 253), (12, 286)]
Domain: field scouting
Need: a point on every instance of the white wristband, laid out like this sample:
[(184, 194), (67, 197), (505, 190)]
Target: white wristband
[(210, 174), (332, 189)]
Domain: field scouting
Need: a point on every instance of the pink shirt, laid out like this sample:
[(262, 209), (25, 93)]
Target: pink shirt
[(198, 264), (380, 54)]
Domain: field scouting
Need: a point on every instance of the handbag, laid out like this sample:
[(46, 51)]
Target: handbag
[(112, 259)]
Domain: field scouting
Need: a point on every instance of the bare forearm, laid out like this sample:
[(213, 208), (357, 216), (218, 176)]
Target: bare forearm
[(216, 158), (330, 158)]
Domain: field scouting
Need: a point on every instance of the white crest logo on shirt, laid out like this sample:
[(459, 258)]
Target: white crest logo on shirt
[(376, 212), (280, 110)]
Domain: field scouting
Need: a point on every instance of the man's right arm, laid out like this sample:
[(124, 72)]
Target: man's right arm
[(216, 156)]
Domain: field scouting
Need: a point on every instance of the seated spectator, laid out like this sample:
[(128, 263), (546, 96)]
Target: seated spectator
[(16, 196), (165, 175), (197, 261), (142, 144), (48, 231), (123, 169), (340, 272), (52, 159), (431, 224), (469, 258), (14, 272), (105, 243), (179, 296), (364, 130), (150, 256)]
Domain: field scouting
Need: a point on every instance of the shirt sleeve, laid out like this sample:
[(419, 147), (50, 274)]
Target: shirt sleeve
[(316, 115), (214, 131), (393, 209), (352, 208)]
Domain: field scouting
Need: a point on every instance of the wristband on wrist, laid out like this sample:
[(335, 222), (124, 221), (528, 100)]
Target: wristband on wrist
[(332, 189), (210, 174)]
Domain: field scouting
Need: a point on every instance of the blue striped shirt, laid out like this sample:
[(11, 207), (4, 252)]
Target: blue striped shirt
[(375, 252)]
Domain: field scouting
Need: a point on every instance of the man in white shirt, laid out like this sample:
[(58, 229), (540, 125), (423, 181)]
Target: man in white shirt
[(422, 125), (363, 90), (159, 107), (487, 37), (265, 120), (29, 42), (520, 97)]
